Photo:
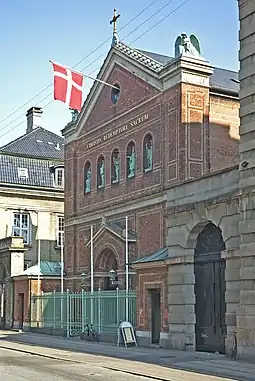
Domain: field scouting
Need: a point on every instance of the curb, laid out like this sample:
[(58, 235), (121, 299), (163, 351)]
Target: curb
[(115, 369)]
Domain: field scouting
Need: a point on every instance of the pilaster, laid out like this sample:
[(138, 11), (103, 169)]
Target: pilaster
[(246, 314)]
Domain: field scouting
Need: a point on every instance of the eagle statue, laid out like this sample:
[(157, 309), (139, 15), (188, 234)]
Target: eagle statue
[(187, 45)]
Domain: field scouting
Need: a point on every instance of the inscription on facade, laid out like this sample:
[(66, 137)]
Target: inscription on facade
[(118, 131)]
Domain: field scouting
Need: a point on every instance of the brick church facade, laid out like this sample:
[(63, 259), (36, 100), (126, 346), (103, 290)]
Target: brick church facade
[(187, 112)]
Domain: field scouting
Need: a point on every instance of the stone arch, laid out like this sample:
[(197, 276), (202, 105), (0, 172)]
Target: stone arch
[(147, 149), (106, 261), (115, 166), (87, 176), (209, 242), (130, 160), (106, 251), (101, 171), (198, 227)]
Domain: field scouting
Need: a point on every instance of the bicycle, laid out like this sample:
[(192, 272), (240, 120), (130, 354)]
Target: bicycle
[(90, 332)]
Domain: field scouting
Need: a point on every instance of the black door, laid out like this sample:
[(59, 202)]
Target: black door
[(210, 291), (21, 301), (155, 316)]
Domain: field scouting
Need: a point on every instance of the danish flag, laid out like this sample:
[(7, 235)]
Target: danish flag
[(68, 86)]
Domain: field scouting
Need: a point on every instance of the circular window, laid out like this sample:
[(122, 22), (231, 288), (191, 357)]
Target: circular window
[(115, 93)]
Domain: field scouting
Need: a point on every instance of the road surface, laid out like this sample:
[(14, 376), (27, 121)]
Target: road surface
[(17, 366)]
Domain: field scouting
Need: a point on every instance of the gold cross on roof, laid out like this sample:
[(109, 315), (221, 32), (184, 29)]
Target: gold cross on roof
[(114, 21)]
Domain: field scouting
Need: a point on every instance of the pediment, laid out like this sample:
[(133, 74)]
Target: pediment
[(137, 82), (115, 230)]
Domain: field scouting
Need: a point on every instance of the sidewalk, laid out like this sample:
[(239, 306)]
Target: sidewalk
[(131, 360)]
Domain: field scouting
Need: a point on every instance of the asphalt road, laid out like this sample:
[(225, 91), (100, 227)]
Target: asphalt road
[(17, 366)]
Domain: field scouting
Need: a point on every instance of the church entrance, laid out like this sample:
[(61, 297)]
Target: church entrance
[(210, 291)]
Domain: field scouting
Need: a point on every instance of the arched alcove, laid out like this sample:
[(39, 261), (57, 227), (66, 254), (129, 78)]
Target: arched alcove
[(107, 262), (101, 172), (87, 177), (115, 166), (130, 160), (147, 153), (210, 307)]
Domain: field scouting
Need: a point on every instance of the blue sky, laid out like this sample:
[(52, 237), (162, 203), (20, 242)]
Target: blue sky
[(67, 31)]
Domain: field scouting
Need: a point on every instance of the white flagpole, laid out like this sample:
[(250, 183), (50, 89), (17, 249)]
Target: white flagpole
[(39, 266), (91, 274), (62, 262), (85, 75), (38, 279), (62, 276), (127, 275)]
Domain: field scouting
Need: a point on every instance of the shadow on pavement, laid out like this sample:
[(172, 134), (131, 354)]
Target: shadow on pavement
[(201, 363)]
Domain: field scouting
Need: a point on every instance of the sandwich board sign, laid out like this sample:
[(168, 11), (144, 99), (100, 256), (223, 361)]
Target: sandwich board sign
[(126, 331)]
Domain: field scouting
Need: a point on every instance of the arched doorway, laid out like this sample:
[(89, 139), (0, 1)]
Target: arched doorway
[(210, 290), (108, 262)]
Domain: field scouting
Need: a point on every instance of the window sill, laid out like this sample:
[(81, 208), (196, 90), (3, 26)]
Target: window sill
[(114, 182), (146, 170), (100, 187)]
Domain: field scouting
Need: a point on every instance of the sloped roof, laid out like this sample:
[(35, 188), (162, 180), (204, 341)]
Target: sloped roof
[(47, 268), (119, 228), (159, 255), (39, 143), (39, 171), (115, 227), (221, 79)]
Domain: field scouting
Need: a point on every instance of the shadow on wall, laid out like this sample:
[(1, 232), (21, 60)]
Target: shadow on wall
[(224, 146)]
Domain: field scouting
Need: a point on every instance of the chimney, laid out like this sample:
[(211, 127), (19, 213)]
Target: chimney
[(34, 115)]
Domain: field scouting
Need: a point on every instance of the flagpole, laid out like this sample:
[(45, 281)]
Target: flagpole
[(85, 75), (38, 279), (91, 274), (127, 275), (39, 266), (62, 277)]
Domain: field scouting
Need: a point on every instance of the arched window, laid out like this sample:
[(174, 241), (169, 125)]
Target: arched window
[(100, 172), (147, 153), (131, 160), (87, 177), (115, 166)]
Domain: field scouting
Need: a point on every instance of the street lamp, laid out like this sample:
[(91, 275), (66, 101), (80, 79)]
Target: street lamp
[(112, 274), (113, 278), (83, 278)]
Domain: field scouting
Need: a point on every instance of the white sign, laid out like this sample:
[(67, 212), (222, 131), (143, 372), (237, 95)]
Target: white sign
[(126, 330)]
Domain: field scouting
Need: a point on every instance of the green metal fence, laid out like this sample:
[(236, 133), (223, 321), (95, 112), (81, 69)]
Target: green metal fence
[(69, 313)]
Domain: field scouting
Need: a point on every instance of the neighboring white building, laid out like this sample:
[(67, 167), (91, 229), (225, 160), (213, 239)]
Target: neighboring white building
[(31, 201)]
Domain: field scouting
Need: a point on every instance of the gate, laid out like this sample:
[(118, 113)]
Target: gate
[(68, 313), (210, 291)]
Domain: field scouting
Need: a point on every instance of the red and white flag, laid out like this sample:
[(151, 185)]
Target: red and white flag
[(68, 86)]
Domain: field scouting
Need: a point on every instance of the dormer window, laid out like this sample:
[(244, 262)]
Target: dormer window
[(59, 177), (23, 173)]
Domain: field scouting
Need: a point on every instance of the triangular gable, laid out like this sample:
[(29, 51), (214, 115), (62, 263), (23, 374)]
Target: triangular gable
[(135, 63), (106, 227)]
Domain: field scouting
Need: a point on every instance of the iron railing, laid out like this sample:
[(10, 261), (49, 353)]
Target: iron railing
[(68, 313)]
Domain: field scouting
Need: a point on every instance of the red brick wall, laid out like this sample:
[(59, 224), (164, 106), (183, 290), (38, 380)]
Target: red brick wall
[(21, 287), (224, 133), (147, 279), (133, 91), (144, 183), (149, 225), (194, 129)]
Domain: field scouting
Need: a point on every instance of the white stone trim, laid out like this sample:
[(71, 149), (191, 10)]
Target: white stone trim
[(148, 335), (112, 211)]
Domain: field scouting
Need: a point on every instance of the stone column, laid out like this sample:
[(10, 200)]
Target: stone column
[(181, 301), (246, 315)]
